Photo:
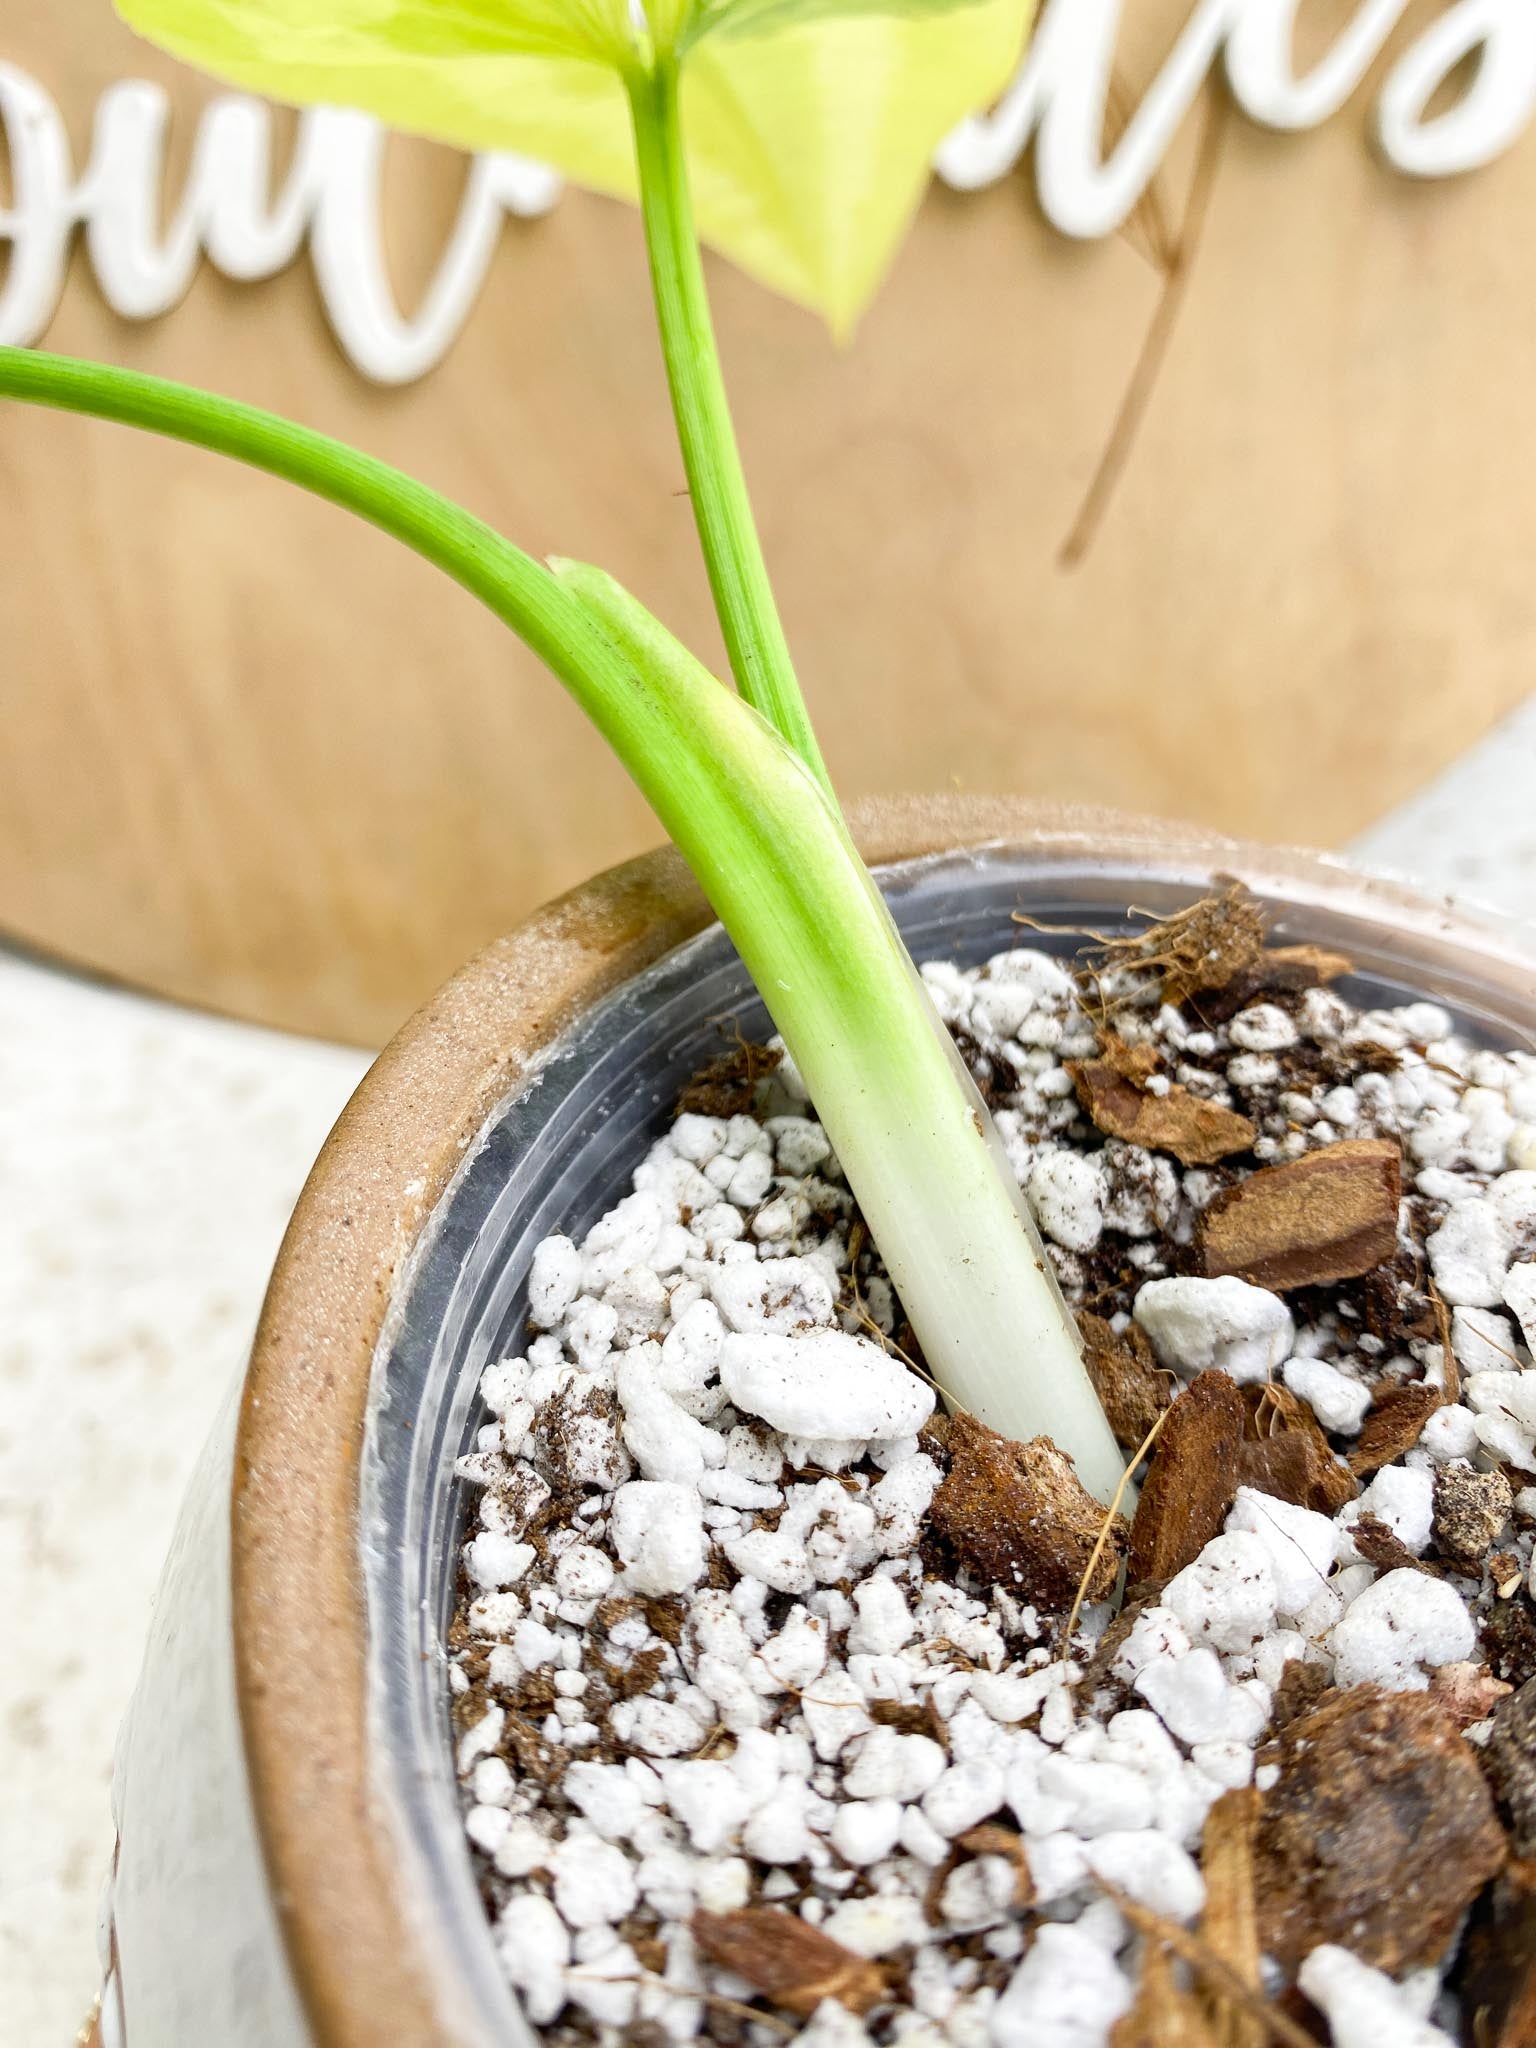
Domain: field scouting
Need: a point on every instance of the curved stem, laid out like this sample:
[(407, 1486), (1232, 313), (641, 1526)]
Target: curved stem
[(738, 575), (771, 851), (519, 590)]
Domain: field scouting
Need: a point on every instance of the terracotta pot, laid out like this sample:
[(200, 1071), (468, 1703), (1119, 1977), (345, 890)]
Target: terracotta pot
[(290, 1867)]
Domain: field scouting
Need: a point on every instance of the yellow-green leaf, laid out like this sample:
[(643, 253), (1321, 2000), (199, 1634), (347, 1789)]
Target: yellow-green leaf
[(809, 138), (810, 150), (753, 17)]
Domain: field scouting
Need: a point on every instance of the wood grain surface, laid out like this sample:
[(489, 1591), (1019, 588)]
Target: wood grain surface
[(259, 758)]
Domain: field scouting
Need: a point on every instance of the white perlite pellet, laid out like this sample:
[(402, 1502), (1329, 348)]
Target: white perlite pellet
[(658, 1535), (1197, 1325), (1337, 1400), (1299, 1545), (1364, 2008), (1469, 1255), (1398, 1630), (1067, 1193), (1068, 1992), (1519, 1293), (707, 1418), (823, 1385)]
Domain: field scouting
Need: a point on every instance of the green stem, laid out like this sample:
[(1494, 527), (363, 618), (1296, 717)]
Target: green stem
[(519, 590), (738, 575), (680, 738), (912, 1134), (773, 855)]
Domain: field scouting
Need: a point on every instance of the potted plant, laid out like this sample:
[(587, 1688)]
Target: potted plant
[(783, 1697)]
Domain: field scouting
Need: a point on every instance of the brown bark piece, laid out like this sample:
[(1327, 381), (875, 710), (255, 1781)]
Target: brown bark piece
[(1291, 1467), (1163, 2016), (1379, 1833), (665, 1616), (1132, 1388), (910, 1717), (1292, 968), (1192, 1480), (1017, 1515), (1278, 971), (1137, 1063), (1509, 1640), (1195, 1131), (1286, 1453), (788, 1960), (1499, 1985), (1230, 1923), (1331, 1215), (1471, 1508), (1382, 1547), (1300, 1692), (1510, 1760), (1393, 1426)]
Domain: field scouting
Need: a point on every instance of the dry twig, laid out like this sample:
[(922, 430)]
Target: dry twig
[(1107, 1528), (1211, 1968), (1176, 271)]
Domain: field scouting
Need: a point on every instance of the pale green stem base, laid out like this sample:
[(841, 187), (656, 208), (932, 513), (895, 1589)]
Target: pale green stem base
[(912, 1133)]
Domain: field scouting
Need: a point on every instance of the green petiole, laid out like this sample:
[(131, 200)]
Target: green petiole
[(738, 575), (774, 857)]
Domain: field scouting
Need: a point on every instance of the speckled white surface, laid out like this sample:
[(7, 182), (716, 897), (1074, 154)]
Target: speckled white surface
[(1472, 832), (148, 1160)]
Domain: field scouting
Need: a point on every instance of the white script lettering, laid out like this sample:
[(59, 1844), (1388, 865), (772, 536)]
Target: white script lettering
[(331, 194), (1059, 98), (145, 251)]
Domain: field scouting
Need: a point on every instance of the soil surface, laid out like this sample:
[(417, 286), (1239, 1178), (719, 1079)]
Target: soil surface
[(790, 1706)]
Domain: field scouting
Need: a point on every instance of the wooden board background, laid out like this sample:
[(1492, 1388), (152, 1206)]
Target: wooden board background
[(257, 757)]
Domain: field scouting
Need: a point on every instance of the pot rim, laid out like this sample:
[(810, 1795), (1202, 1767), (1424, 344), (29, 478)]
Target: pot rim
[(302, 1670)]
